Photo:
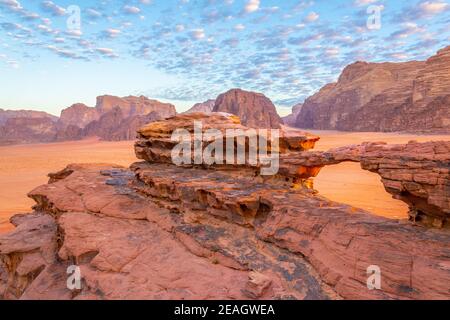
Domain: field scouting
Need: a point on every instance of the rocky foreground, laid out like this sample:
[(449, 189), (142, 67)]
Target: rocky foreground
[(160, 231)]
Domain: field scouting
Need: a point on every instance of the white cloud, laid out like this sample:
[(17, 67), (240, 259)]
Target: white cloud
[(93, 13), (74, 33), (112, 33), (360, 3), (107, 52), (311, 17), (239, 27), (252, 6), (433, 7), (399, 56), (131, 10), (53, 8), (11, 4), (197, 34)]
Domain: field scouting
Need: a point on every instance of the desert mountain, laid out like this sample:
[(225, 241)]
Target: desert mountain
[(254, 109), (112, 118), (9, 114), (27, 130), (292, 118), (205, 107), (78, 115), (407, 96)]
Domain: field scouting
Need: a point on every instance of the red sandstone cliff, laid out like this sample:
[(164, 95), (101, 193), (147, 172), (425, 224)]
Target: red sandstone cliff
[(254, 109), (9, 114), (410, 96), (78, 115), (112, 118)]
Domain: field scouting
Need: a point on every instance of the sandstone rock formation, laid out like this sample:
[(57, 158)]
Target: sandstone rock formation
[(21, 126), (113, 118), (416, 173), (134, 106), (78, 115), (25, 130), (291, 119), (254, 109), (161, 231), (8, 114), (410, 96), (205, 107)]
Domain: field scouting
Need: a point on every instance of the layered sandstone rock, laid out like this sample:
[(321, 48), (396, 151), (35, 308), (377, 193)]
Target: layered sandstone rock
[(113, 119), (131, 247), (8, 114), (410, 96), (254, 109), (23, 126), (134, 106), (205, 107), (155, 139), (161, 231), (416, 173), (25, 130), (116, 118), (79, 115)]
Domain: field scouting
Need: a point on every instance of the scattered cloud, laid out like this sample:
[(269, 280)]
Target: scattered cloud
[(52, 8), (287, 50), (252, 6), (131, 9)]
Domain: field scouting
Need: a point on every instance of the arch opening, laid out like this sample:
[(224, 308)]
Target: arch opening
[(348, 183)]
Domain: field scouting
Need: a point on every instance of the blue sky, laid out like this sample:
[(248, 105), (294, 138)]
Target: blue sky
[(186, 51)]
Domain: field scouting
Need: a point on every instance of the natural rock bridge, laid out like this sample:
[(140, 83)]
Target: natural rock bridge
[(160, 231)]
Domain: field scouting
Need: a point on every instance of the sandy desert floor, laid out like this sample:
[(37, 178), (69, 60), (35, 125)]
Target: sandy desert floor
[(25, 167)]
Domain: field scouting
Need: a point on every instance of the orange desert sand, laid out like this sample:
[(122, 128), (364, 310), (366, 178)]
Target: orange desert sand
[(24, 167)]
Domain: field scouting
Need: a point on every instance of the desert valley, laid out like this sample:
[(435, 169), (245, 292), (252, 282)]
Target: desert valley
[(362, 182)]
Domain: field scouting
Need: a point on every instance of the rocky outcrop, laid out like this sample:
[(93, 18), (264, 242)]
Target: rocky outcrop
[(135, 248), (116, 118), (155, 139), (134, 106), (410, 96), (112, 119), (205, 107), (78, 115), (291, 119), (254, 109), (8, 114), (24, 126), (161, 231), (416, 173), (26, 130)]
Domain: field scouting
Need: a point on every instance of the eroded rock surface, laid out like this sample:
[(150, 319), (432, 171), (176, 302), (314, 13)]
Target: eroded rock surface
[(112, 119), (161, 231), (416, 173), (409, 96), (254, 109)]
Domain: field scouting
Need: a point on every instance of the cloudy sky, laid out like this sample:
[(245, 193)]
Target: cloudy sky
[(55, 53)]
